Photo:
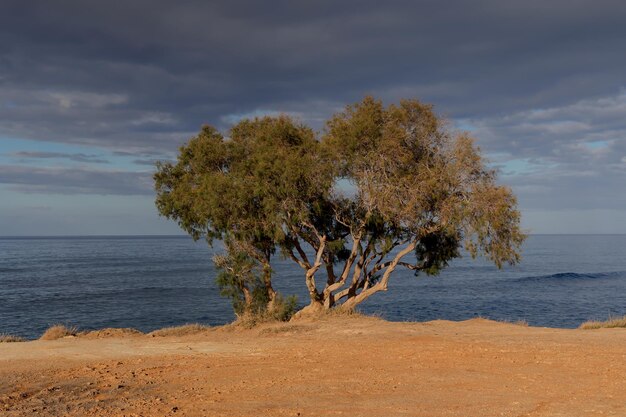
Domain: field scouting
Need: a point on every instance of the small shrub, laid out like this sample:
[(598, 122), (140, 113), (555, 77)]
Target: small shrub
[(239, 278), (184, 330), (58, 331), (608, 324), (9, 338), (282, 310)]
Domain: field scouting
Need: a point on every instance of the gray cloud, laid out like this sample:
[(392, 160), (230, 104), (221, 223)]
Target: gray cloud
[(76, 157), (75, 181), (572, 156), (147, 162), (148, 74), (541, 84), (560, 129)]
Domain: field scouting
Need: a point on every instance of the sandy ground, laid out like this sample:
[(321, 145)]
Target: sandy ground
[(339, 366)]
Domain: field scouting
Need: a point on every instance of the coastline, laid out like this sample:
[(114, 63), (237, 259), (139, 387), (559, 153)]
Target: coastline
[(332, 366)]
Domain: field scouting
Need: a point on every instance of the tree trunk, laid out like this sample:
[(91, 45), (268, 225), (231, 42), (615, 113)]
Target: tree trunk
[(328, 296), (310, 273), (330, 273), (247, 299), (312, 310), (267, 280)]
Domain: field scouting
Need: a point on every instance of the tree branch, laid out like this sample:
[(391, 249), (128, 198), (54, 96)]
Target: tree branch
[(382, 284), (294, 258), (310, 273), (305, 259), (356, 247)]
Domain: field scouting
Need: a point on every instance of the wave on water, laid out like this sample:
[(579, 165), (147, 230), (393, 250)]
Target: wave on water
[(573, 276)]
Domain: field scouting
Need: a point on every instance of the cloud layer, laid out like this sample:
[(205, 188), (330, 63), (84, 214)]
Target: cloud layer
[(571, 157), (146, 74), (75, 181), (541, 84)]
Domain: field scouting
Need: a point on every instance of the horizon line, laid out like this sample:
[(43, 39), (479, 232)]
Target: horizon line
[(185, 235)]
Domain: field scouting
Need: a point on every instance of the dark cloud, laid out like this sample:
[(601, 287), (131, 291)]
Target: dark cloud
[(76, 157), (540, 83), (75, 181), (147, 74)]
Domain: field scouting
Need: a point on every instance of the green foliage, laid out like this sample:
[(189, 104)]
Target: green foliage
[(245, 186), (191, 191), (433, 252), (284, 308), (240, 280)]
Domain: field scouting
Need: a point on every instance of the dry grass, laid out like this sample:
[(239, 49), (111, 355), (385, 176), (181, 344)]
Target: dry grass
[(269, 324), (184, 330), (248, 321), (307, 315), (283, 328), (9, 338), (110, 332), (58, 331), (609, 324), (340, 312)]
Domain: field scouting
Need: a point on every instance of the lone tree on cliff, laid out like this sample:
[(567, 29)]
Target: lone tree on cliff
[(414, 194)]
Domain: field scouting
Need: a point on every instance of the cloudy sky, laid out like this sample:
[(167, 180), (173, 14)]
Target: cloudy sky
[(93, 92)]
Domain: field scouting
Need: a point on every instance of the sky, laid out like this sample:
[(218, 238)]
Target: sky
[(92, 93)]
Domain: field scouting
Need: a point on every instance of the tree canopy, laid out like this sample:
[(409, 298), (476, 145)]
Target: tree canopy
[(382, 188)]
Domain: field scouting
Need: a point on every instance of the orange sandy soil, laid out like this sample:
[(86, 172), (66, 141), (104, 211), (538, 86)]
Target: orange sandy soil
[(351, 366)]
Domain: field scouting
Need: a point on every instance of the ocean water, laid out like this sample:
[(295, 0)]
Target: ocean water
[(152, 282)]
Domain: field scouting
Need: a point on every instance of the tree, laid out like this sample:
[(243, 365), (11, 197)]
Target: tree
[(239, 190), (414, 193), (419, 189)]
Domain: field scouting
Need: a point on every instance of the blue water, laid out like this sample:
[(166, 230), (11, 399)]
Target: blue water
[(152, 282)]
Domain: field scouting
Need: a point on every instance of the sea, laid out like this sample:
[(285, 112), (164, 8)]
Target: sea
[(150, 282)]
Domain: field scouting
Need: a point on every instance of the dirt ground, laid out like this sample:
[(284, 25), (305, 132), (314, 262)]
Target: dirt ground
[(337, 366)]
